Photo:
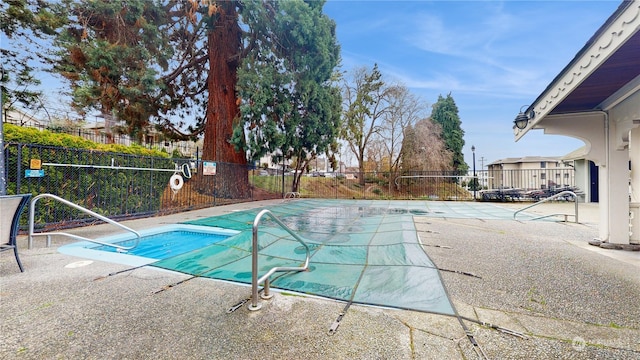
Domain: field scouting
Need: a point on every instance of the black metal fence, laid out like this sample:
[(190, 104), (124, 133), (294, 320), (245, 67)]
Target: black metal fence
[(425, 185), (116, 185), (127, 186), (526, 184)]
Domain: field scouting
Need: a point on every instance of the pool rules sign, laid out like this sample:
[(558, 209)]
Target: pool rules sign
[(208, 168)]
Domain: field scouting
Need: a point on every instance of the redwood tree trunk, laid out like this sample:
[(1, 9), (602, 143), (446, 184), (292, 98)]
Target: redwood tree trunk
[(224, 43)]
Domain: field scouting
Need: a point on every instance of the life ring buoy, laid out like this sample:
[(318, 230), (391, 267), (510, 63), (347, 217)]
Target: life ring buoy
[(176, 182)]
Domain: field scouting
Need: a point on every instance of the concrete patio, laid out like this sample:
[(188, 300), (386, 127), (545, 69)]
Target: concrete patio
[(539, 278)]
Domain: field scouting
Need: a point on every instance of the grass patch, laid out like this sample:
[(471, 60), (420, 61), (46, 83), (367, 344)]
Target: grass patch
[(535, 297)]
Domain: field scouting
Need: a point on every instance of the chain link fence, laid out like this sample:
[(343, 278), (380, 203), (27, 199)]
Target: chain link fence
[(123, 186), (117, 185)]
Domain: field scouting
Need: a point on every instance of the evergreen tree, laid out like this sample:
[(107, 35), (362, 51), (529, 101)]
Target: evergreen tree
[(26, 26), (111, 55), (152, 61), (445, 113), (288, 102), (167, 62)]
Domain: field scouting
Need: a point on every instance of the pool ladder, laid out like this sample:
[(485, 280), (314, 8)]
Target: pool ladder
[(255, 281), (32, 208)]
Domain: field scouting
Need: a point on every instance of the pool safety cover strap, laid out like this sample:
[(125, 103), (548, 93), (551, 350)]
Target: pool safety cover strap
[(364, 251)]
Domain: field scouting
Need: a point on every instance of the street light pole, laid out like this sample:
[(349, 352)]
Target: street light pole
[(475, 185)]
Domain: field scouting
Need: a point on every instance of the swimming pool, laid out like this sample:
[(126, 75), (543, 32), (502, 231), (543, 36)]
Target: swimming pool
[(362, 251), (155, 244), (167, 244), (366, 252)]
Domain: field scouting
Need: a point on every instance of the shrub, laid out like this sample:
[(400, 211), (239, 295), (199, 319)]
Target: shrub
[(26, 135), (108, 191)]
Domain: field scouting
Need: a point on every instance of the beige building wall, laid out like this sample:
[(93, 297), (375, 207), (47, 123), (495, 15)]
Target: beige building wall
[(530, 173)]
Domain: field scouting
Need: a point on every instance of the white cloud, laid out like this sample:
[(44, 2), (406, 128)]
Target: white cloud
[(493, 48)]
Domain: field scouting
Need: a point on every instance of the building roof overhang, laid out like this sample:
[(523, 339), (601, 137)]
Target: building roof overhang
[(604, 73), (526, 159)]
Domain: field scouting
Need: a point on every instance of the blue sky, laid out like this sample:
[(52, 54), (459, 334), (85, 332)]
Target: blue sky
[(492, 56)]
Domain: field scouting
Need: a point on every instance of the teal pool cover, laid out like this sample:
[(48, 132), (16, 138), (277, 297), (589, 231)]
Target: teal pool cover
[(367, 252)]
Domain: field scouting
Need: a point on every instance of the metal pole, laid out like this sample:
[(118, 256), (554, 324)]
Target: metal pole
[(475, 185), (254, 264), (3, 172)]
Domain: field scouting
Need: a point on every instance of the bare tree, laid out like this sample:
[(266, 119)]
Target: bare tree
[(424, 149), (376, 154), (364, 105), (404, 110)]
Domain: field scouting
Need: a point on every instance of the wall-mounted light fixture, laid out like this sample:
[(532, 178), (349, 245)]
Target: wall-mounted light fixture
[(522, 119)]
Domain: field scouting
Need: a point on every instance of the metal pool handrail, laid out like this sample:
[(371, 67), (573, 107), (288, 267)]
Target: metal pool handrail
[(566, 192), (32, 208), (254, 305)]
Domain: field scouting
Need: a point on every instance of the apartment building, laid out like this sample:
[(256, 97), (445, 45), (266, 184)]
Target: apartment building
[(530, 172)]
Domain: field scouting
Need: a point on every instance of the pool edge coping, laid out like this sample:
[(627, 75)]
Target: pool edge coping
[(81, 248)]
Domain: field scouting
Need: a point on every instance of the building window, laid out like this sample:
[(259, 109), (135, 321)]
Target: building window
[(543, 165), (543, 176)]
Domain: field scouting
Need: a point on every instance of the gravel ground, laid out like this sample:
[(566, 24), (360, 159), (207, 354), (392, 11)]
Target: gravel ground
[(531, 267), (535, 276)]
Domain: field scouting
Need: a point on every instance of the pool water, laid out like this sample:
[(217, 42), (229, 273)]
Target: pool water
[(167, 244)]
